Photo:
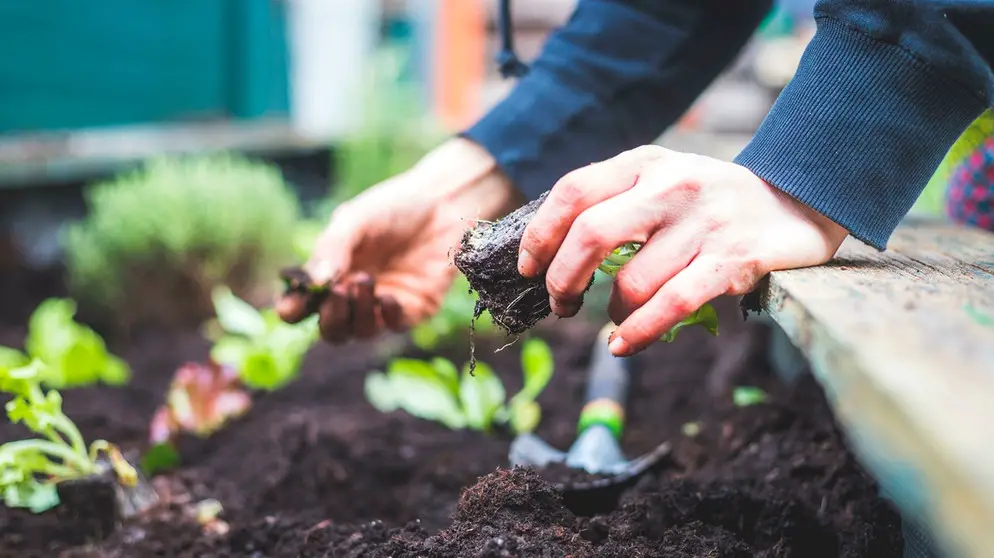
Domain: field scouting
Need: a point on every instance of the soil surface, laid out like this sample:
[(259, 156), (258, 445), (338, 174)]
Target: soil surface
[(314, 470)]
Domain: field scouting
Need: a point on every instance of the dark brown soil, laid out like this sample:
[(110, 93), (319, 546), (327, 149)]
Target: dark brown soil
[(314, 470)]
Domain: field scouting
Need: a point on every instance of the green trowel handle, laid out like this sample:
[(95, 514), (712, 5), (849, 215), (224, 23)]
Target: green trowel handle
[(608, 378)]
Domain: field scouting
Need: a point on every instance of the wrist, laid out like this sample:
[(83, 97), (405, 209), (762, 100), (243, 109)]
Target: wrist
[(463, 177)]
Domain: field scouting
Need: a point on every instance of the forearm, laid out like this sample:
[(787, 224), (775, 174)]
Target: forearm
[(882, 92), (611, 79)]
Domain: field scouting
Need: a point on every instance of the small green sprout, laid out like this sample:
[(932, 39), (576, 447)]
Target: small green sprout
[(706, 315), (266, 351), (30, 469), (435, 390), (73, 354), (745, 396)]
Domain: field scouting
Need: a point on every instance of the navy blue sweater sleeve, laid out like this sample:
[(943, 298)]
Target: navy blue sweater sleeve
[(881, 93), (614, 77)]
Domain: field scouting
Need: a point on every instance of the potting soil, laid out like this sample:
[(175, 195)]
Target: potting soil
[(314, 470)]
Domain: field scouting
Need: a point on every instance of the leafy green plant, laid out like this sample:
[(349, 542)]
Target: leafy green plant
[(175, 228), (74, 355), (265, 350), (436, 390), (453, 320), (30, 469), (706, 315), (253, 349)]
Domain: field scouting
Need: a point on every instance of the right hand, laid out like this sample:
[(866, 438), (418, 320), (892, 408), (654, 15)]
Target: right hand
[(387, 252)]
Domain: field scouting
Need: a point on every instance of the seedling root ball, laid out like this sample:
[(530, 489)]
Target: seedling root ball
[(488, 257)]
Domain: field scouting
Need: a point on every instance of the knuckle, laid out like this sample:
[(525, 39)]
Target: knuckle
[(633, 286), (681, 304), (743, 276), (570, 191), (587, 233)]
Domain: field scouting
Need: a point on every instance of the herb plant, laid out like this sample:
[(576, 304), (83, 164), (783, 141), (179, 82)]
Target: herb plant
[(30, 469), (73, 355), (436, 390), (174, 228)]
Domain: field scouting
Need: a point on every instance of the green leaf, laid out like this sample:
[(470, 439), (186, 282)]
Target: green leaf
[(35, 496), (481, 395), (235, 315), (447, 371), (231, 350), (159, 458), (525, 416), (745, 396), (74, 355), (705, 316), (12, 358), (423, 393), (261, 370), (537, 365), (380, 392)]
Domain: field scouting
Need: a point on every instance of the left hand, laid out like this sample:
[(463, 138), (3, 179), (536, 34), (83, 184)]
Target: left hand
[(708, 228)]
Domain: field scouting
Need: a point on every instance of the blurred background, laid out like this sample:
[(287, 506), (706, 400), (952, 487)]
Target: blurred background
[(134, 134)]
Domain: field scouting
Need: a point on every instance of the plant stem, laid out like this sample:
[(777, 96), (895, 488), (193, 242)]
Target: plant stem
[(76, 461)]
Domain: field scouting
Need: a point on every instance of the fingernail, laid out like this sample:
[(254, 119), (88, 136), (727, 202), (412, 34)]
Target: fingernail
[(322, 271), (619, 347), (527, 266)]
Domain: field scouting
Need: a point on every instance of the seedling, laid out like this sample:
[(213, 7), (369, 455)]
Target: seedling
[(252, 349), (488, 257), (73, 354), (435, 390), (31, 470), (745, 396)]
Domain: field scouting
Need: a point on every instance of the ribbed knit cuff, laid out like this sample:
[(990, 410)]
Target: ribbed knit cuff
[(859, 130)]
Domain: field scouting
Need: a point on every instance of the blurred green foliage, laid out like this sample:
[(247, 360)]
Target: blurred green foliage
[(932, 200), (452, 322), (199, 220)]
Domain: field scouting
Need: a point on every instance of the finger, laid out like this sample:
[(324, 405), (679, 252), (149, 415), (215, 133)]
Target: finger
[(631, 216), (681, 296), (393, 315), (570, 196), (292, 307), (364, 318), (666, 253), (334, 315), (332, 253)]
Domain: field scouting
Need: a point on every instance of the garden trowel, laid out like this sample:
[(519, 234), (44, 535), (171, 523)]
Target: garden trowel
[(596, 449)]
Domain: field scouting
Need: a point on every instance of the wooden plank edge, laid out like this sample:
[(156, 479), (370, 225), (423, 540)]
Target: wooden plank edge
[(925, 485)]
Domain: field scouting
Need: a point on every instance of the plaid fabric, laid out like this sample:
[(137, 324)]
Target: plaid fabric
[(970, 199)]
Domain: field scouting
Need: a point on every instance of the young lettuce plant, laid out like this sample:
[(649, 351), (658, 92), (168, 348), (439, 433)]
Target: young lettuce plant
[(706, 315), (31, 469), (435, 390), (73, 354), (253, 350)]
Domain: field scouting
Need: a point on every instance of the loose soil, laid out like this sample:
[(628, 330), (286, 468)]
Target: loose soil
[(314, 470)]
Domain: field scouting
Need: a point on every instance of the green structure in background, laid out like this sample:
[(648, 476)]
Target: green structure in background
[(68, 64)]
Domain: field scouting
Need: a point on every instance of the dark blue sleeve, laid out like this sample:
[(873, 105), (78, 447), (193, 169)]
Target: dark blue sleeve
[(882, 92), (614, 77)]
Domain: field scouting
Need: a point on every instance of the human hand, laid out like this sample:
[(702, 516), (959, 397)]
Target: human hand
[(385, 253), (708, 228)]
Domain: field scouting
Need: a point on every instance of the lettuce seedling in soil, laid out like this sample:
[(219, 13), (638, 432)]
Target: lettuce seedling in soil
[(95, 483), (488, 257), (435, 390), (252, 349), (73, 355)]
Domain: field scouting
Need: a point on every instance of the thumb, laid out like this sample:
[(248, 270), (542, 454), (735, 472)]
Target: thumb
[(332, 255)]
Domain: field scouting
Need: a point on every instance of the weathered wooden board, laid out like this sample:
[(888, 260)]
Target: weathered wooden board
[(903, 342)]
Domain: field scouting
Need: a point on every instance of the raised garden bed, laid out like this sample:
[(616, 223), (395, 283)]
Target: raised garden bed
[(315, 470)]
